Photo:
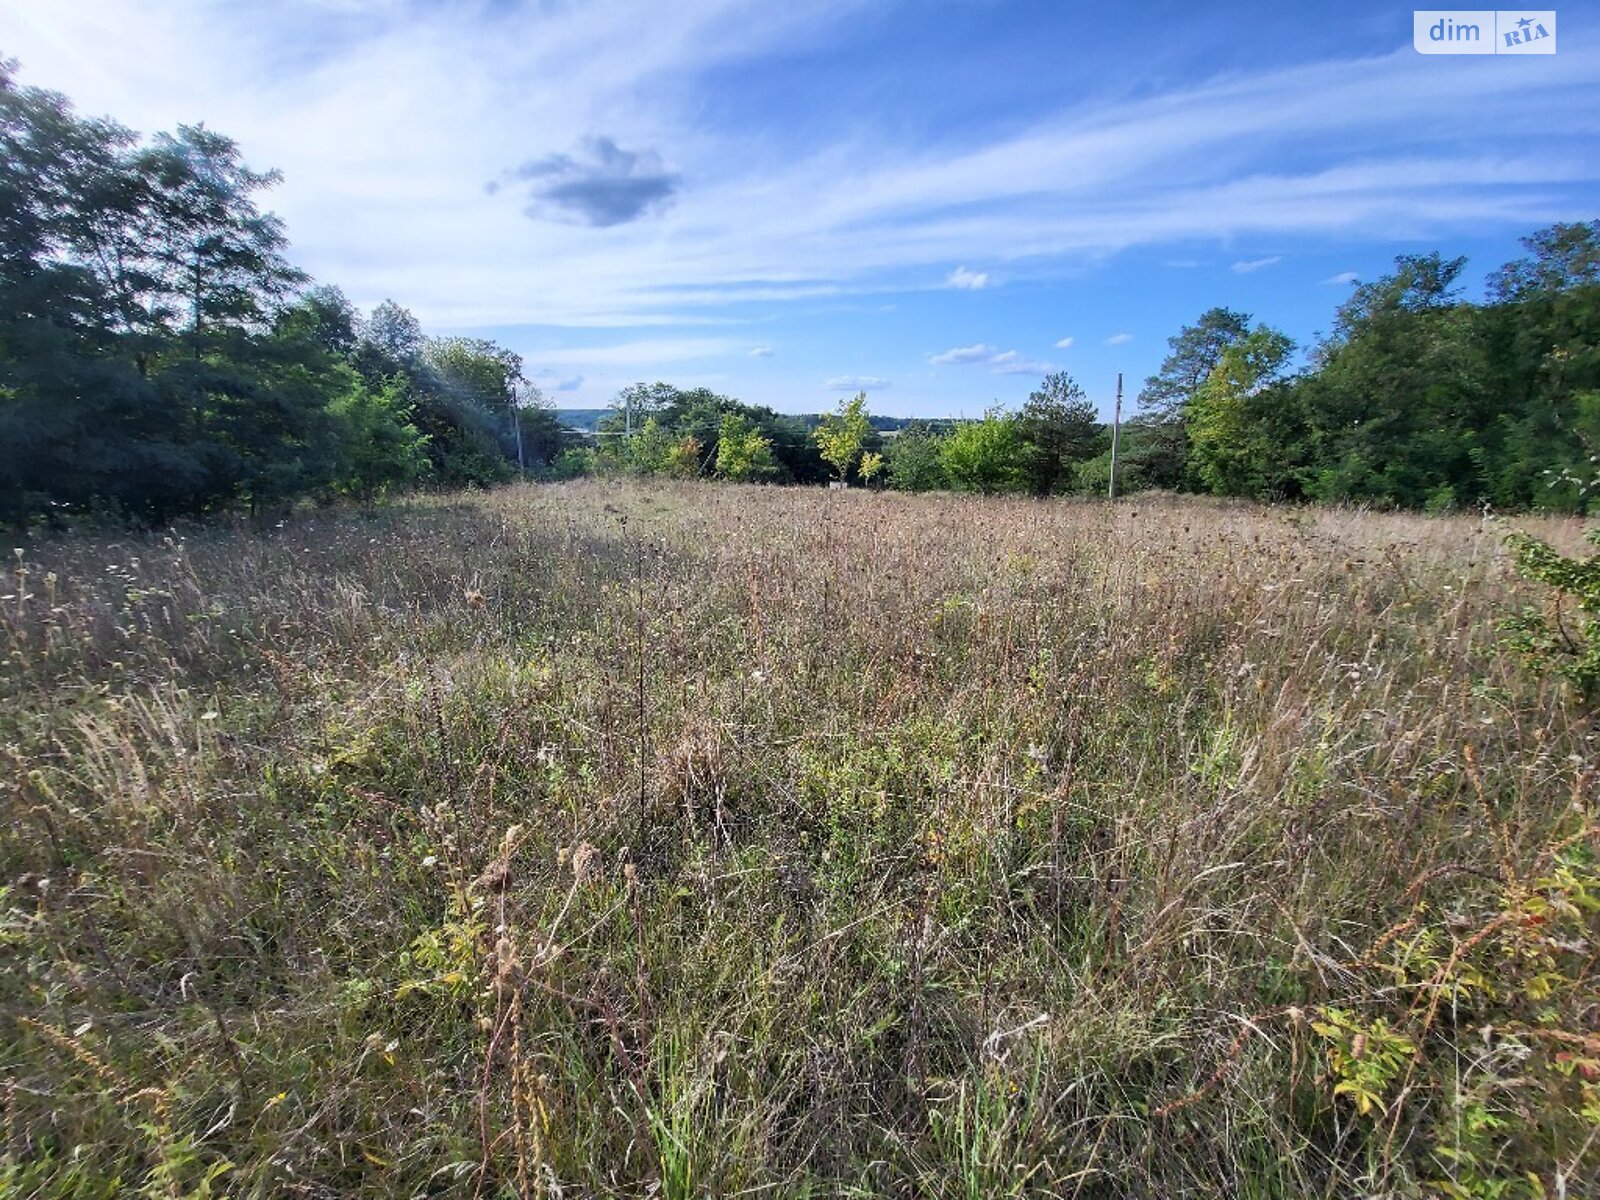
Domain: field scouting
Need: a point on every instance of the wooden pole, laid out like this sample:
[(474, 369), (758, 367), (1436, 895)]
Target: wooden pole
[(1116, 430)]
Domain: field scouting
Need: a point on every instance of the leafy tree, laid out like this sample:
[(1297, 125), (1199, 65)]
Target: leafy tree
[(392, 336), (842, 435), (1563, 257), (544, 437), (1235, 437), (1192, 354), (1396, 406), (649, 449), (683, 460), (380, 448), (985, 456), (913, 458), (1151, 453), (872, 463), (324, 316), (742, 453), (215, 250), (1059, 428)]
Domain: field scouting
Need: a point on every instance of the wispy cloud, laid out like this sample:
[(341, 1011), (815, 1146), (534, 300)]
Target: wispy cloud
[(999, 362), (383, 194), (1065, 343), (1248, 266), (1342, 277), (1119, 339), (761, 352), (1012, 363), (964, 354), (857, 383)]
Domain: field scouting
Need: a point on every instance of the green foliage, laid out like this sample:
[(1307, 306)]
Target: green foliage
[(1059, 428), (842, 435), (985, 456), (1240, 423), (155, 359), (1564, 637), (1192, 355), (381, 449), (742, 453), (913, 460), (1366, 1058), (872, 464)]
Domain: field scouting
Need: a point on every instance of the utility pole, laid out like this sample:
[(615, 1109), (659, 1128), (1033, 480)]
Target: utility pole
[(1116, 430), (516, 425)]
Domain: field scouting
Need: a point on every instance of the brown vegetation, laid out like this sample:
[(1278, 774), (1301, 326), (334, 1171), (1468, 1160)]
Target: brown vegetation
[(694, 840)]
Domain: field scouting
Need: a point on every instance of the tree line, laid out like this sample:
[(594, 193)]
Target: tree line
[(1417, 399), (160, 356)]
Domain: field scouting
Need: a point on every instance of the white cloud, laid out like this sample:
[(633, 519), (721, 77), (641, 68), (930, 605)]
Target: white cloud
[(963, 354), (761, 352), (1342, 277), (856, 383), (1255, 264), (1014, 364), (1065, 343), (383, 184), (1119, 339), (999, 362)]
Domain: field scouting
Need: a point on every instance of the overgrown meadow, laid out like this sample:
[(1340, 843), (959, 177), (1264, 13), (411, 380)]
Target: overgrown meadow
[(690, 840)]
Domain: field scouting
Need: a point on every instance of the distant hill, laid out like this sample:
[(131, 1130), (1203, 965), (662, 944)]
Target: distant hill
[(587, 420)]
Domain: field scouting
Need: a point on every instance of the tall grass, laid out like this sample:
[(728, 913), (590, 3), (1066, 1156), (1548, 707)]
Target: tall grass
[(688, 840)]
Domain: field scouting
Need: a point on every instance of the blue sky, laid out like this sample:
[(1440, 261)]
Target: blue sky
[(934, 200)]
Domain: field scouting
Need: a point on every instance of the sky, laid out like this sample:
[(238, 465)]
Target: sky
[(934, 201)]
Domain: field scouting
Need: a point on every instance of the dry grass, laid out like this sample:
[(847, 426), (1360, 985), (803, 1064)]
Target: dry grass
[(692, 840)]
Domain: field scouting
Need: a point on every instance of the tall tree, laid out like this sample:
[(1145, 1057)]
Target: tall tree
[(1561, 257), (842, 435), (1192, 354), (1241, 442), (1060, 428)]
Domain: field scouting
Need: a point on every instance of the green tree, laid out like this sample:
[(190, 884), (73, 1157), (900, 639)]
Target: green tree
[(1234, 431), (1561, 258), (1192, 354), (985, 456), (649, 449), (215, 253), (1397, 409), (913, 459), (380, 448), (1060, 428), (842, 435), (742, 453)]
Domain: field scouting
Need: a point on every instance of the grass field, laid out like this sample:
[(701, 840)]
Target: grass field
[(705, 840)]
